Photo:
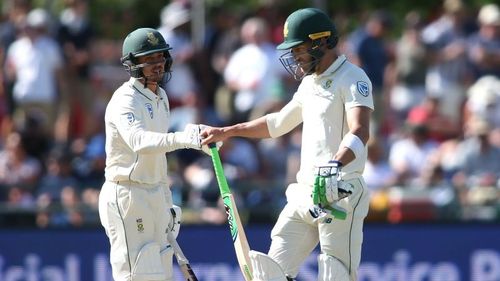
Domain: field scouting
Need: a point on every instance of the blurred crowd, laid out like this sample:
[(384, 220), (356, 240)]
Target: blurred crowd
[(434, 153)]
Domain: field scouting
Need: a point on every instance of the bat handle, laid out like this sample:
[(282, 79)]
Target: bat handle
[(211, 145)]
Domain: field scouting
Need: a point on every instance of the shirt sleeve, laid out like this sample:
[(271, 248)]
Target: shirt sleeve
[(282, 122), (358, 91), (129, 122)]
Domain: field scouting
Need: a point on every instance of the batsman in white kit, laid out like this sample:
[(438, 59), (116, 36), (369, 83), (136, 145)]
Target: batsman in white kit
[(135, 203), (329, 201)]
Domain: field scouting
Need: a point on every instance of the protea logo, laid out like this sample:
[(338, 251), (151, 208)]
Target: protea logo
[(152, 39), (285, 29)]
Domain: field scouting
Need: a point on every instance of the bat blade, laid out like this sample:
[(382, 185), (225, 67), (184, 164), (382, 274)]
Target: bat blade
[(240, 241), (183, 262), (188, 272)]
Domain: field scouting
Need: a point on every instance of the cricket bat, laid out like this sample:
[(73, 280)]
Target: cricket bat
[(237, 232), (181, 259)]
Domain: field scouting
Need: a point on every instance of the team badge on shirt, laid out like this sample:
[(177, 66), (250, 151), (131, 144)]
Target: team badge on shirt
[(130, 118), (149, 107), (363, 88)]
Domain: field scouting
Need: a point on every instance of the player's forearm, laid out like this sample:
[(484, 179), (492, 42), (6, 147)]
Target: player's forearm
[(252, 129), (142, 142), (346, 154)]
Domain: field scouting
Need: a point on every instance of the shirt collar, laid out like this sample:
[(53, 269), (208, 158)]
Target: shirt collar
[(332, 68), (138, 86)]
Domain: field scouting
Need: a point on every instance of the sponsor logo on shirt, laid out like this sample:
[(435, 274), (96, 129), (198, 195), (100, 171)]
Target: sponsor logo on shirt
[(149, 107), (327, 84), (140, 225), (363, 88)]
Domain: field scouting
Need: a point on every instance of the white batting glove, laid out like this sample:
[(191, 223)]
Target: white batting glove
[(191, 138), (335, 188)]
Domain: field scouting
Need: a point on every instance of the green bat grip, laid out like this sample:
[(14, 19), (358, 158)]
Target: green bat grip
[(219, 172)]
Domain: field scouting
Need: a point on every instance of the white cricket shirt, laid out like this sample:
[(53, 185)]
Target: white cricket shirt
[(137, 122), (321, 103)]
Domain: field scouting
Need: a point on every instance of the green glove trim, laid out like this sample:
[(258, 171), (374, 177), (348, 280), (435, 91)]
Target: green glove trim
[(319, 198)]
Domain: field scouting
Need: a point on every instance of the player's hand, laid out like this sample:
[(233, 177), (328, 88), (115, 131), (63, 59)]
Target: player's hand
[(212, 135), (204, 146), (192, 138), (331, 187)]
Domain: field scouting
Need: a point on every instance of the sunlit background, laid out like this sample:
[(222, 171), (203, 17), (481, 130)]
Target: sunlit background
[(434, 154)]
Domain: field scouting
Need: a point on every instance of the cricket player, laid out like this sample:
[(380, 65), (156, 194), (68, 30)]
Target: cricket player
[(135, 203), (334, 104)]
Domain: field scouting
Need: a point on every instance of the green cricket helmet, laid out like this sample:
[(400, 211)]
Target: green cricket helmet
[(306, 25), (143, 42)]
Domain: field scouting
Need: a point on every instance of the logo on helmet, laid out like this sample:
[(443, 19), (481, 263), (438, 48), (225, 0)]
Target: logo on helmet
[(152, 39), (285, 29)]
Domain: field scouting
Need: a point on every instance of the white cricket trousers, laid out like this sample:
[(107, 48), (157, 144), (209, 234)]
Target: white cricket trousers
[(297, 232), (136, 217)]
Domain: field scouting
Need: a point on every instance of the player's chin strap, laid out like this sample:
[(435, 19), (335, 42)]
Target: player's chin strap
[(265, 268), (167, 75)]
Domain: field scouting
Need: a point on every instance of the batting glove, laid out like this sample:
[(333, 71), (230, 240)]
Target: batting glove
[(191, 138), (331, 186)]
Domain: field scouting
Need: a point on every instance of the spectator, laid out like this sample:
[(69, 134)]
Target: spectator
[(240, 164), (477, 180), (74, 36), (222, 40), (480, 165), (175, 28), (34, 63), (445, 40), (89, 155), (483, 100), (36, 139), (484, 45), (378, 174), (19, 199), (70, 215), (439, 126), (16, 167), (67, 213), (448, 156), (408, 75), (442, 193), (253, 74), (368, 48), (58, 176), (274, 168), (16, 11), (409, 155)]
